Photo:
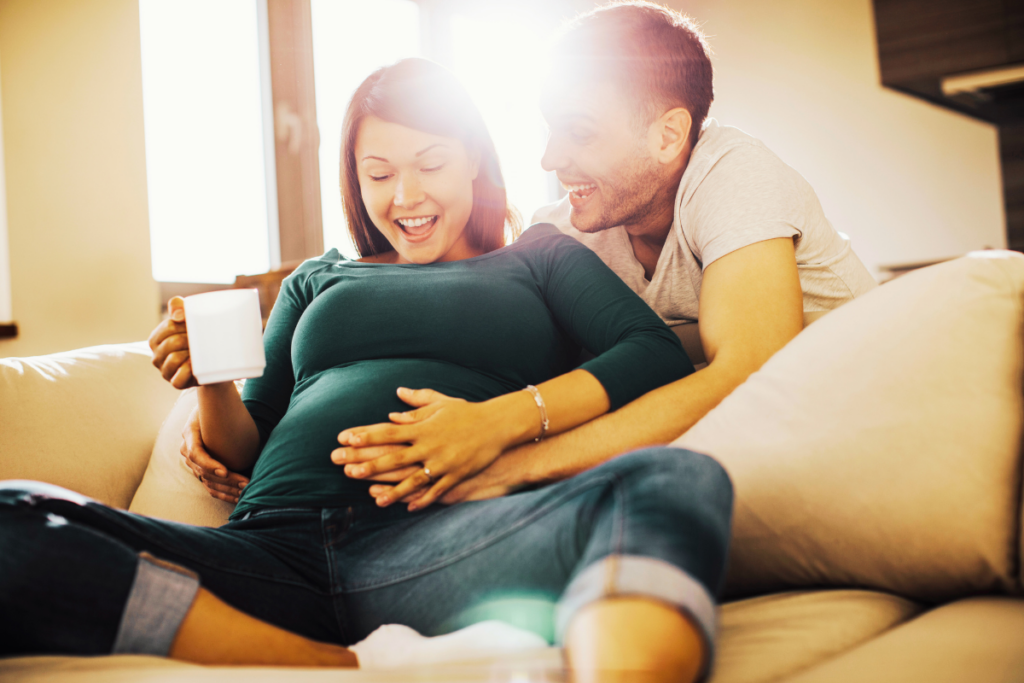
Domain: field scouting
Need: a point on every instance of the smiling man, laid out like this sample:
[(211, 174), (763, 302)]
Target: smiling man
[(701, 220)]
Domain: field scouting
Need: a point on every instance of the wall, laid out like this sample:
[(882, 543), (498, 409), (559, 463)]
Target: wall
[(70, 73), (906, 180), (6, 314)]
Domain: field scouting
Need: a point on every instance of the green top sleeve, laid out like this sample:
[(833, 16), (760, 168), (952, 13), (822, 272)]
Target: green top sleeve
[(636, 351), (267, 397)]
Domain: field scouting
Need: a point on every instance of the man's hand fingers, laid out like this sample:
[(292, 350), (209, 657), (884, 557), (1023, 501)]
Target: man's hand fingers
[(342, 456), (417, 481), (434, 492), (395, 475)]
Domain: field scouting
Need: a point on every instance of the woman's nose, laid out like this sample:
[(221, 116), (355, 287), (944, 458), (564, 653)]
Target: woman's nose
[(408, 193)]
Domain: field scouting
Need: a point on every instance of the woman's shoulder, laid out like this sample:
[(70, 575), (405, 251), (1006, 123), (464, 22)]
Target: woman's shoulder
[(545, 237)]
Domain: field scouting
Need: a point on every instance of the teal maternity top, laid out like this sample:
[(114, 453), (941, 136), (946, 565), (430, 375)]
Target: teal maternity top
[(344, 335)]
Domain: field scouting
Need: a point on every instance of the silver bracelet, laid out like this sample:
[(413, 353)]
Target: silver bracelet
[(539, 400)]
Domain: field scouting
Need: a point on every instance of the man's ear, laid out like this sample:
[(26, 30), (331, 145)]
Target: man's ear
[(670, 135)]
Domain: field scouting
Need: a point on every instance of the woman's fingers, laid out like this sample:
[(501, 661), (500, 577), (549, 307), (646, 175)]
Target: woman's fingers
[(376, 435), (395, 475), (182, 378), (411, 416), (342, 456), (421, 397), (386, 463)]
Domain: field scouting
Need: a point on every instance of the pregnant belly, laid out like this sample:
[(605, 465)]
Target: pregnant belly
[(295, 467)]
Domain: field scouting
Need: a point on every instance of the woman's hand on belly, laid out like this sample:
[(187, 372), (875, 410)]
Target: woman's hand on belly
[(429, 450)]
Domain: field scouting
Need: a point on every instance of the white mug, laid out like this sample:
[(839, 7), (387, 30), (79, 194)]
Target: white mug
[(225, 335)]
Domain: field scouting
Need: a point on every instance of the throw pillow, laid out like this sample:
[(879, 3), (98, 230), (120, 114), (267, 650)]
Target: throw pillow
[(169, 490), (881, 447)]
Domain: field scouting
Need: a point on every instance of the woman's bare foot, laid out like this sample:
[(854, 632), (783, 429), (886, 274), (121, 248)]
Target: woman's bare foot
[(213, 632), (633, 639)]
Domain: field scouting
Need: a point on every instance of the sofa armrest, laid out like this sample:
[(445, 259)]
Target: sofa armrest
[(85, 419)]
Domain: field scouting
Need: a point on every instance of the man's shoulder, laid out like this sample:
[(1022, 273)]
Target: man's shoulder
[(716, 142)]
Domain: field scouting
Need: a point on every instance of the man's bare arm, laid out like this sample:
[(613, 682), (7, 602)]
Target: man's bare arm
[(751, 305)]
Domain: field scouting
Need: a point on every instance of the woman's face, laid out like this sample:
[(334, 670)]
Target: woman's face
[(418, 190)]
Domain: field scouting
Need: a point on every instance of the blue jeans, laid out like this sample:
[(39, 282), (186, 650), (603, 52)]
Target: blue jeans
[(78, 577)]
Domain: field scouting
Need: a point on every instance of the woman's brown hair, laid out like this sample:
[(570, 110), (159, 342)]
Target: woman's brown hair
[(424, 96)]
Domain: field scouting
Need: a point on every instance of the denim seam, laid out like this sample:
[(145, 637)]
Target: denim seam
[(490, 540), (331, 575), (204, 562)]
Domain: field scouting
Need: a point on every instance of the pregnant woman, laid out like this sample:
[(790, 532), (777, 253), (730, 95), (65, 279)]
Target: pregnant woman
[(620, 563)]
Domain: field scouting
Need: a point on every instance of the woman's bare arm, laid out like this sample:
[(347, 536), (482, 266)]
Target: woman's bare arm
[(227, 429)]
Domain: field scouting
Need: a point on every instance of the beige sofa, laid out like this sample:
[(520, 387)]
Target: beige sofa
[(876, 460)]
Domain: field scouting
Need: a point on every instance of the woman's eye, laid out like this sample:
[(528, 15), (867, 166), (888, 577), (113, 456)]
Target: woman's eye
[(581, 136), (379, 178), (433, 168)]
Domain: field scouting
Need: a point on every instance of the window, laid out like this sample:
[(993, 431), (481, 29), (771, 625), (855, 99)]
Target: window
[(239, 180), (205, 154)]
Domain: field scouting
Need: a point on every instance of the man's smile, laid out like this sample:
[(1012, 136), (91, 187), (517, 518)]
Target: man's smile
[(579, 193)]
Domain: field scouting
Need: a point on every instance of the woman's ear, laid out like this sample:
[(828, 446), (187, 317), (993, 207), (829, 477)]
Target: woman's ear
[(474, 163)]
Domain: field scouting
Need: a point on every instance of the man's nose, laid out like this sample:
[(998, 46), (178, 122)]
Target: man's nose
[(554, 159), (409, 192)]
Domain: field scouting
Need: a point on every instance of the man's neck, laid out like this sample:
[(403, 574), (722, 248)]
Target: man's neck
[(648, 236)]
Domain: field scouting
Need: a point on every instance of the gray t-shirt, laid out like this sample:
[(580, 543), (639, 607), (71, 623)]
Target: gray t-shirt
[(734, 192)]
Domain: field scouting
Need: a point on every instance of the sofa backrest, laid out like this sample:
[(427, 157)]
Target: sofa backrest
[(881, 447), (85, 419)]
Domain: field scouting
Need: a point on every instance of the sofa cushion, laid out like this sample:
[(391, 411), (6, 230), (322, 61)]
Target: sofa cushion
[(169, 490), (774, 636), (880, 448), (979, 639), (84, 420)]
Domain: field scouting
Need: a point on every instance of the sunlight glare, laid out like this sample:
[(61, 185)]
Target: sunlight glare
[(351, 38)]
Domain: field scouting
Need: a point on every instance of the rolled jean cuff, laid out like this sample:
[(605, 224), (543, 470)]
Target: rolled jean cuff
[(647, 577), (158, 601)]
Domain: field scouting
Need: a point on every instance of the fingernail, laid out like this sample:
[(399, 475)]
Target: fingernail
[(383, 501), (355, 440), (340, 455), (241, 484), (413, 507), (221, 473), (178, 315), (344, 437)]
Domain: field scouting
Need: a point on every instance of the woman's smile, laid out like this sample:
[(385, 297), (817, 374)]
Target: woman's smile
[(417, 229)]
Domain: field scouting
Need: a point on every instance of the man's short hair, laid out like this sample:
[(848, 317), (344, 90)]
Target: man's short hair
[(656, 54)]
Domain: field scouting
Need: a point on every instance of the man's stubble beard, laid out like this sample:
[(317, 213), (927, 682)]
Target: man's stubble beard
[(628, 199)]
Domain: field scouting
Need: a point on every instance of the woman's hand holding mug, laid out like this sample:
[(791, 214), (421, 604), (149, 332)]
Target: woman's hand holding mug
[(169, 344)]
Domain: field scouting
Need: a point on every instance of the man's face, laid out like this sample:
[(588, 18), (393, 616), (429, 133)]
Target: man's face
[(601, 152)]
